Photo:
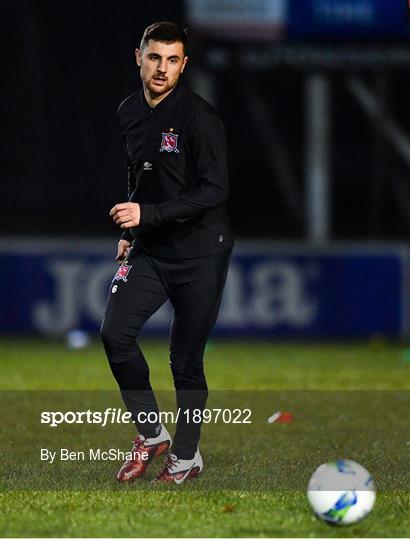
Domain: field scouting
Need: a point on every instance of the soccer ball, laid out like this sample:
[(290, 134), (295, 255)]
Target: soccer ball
[(341, 492)]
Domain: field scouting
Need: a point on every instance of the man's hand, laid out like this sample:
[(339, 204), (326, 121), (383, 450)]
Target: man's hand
[(123, 250), (126, 215)]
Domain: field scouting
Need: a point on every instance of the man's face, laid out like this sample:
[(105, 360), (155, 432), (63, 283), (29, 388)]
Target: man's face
[(161, 65)]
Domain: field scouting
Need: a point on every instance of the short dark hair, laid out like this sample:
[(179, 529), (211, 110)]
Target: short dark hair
[(165, 31)]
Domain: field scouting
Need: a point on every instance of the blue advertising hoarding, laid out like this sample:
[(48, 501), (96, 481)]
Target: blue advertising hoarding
[(348, 19), (285, 20), (272, 290)]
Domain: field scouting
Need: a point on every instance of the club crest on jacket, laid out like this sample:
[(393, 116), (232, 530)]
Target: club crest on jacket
[(169, 142)]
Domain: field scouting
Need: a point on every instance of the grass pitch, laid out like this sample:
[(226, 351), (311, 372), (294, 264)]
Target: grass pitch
[(74, 501)]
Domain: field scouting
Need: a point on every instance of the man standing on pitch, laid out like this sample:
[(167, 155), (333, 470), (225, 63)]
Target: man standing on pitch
[(176, 244)]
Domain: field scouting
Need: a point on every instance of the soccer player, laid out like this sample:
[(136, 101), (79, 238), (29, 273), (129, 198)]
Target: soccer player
[(176, 245)]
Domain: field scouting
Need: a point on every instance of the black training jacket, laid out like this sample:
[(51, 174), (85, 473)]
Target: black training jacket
[(177, 172)]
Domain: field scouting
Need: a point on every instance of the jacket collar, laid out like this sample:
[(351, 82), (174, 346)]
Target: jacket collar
[(166, 102)]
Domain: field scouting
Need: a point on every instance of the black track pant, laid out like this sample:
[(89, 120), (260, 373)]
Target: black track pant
[(194, 287)]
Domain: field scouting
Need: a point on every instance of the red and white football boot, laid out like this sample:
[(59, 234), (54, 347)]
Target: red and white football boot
[(136, 466), (178, 470)]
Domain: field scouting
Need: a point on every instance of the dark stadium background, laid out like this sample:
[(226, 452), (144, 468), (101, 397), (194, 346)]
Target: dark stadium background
[(68, 64)]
